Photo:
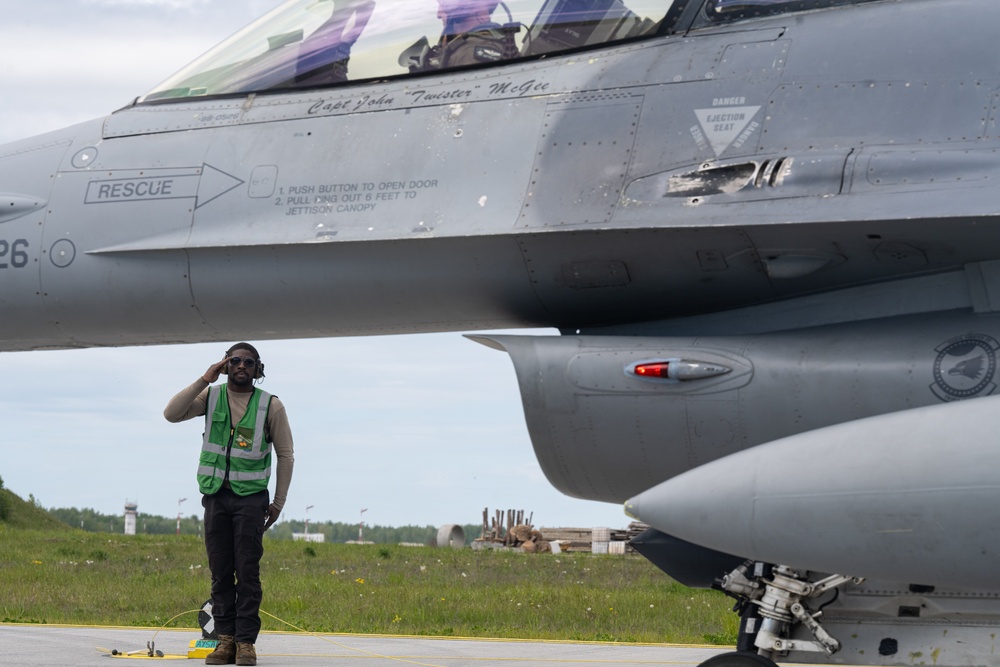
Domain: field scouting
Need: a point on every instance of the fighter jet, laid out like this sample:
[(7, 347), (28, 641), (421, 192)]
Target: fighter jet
[(767, 230)]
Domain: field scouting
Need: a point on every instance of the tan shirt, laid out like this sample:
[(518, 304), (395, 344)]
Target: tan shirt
[(191, 402)]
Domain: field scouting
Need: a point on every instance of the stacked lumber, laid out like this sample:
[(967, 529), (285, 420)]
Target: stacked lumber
[(510, 529), (515, 532), (570, 539), (634, 529)]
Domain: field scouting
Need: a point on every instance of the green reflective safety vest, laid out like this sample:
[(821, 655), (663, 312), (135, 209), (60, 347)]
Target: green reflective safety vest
[(242, 450)]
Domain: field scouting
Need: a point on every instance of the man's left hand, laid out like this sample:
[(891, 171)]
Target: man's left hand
[(271, 516)]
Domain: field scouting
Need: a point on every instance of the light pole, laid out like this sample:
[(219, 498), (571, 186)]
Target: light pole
[(179, 501), (308, 507), (361, 523)]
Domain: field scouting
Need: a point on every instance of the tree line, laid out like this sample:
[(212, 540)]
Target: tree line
[(148, 524)]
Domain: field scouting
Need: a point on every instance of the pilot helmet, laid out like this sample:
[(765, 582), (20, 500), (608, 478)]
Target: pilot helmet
[(461, 8)]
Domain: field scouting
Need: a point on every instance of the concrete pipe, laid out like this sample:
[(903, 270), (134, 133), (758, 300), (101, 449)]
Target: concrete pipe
[(451, 535)]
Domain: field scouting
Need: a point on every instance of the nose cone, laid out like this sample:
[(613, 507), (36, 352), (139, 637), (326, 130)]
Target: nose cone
[(710, 506)]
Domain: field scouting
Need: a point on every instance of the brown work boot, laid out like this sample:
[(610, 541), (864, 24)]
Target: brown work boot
[(245, 654), (224, 653)]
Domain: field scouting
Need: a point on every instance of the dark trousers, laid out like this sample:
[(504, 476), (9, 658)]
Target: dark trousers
[(234, 532)]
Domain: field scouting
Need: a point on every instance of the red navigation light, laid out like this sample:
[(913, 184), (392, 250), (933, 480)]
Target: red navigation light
[(671, 370), (659, 369)]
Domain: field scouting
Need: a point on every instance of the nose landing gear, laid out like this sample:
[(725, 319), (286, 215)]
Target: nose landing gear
[(771, 601)]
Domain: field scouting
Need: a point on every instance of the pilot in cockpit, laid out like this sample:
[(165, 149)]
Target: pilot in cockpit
[(323, 56), (469, 36)]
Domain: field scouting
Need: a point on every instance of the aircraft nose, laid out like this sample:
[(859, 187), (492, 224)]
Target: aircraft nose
[(699, 505), (30, 174), (633, 507)]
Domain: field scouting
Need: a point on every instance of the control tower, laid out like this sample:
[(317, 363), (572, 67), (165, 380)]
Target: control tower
[(130, 515)]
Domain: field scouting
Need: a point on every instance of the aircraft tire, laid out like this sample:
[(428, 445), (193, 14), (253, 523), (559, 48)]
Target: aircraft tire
[(739, 659)]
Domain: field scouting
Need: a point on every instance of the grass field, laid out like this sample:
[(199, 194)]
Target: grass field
[(76, 577)]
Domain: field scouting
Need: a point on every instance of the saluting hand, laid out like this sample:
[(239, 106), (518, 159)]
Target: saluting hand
[(213, 372)]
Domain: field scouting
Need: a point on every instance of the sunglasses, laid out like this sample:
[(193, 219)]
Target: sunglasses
[(249, 362)]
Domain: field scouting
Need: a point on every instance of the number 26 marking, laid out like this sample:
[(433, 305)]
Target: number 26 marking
[(13, 254)]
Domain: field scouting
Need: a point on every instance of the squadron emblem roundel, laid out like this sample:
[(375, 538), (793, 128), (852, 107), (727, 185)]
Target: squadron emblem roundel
[(965, 367)]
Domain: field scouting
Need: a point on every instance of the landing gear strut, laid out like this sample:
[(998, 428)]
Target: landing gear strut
[(771, 602)]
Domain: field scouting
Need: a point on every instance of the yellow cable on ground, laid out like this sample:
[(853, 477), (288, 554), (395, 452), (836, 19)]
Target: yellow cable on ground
[(145, 654), (170, 620)]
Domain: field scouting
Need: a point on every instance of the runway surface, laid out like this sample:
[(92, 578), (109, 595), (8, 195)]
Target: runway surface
[(58, 646)]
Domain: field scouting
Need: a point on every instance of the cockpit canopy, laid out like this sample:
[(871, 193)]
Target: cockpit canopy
[(312, 43), (305, 43)]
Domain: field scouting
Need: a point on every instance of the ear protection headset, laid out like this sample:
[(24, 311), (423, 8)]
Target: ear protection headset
[(259, 368)]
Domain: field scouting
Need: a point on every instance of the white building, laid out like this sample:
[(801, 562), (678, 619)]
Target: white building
[(309, 537)]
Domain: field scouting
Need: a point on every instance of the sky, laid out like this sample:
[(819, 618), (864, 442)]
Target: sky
[(421, 429)]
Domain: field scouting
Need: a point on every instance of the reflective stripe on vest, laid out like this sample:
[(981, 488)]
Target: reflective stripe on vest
[(244, 445)]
